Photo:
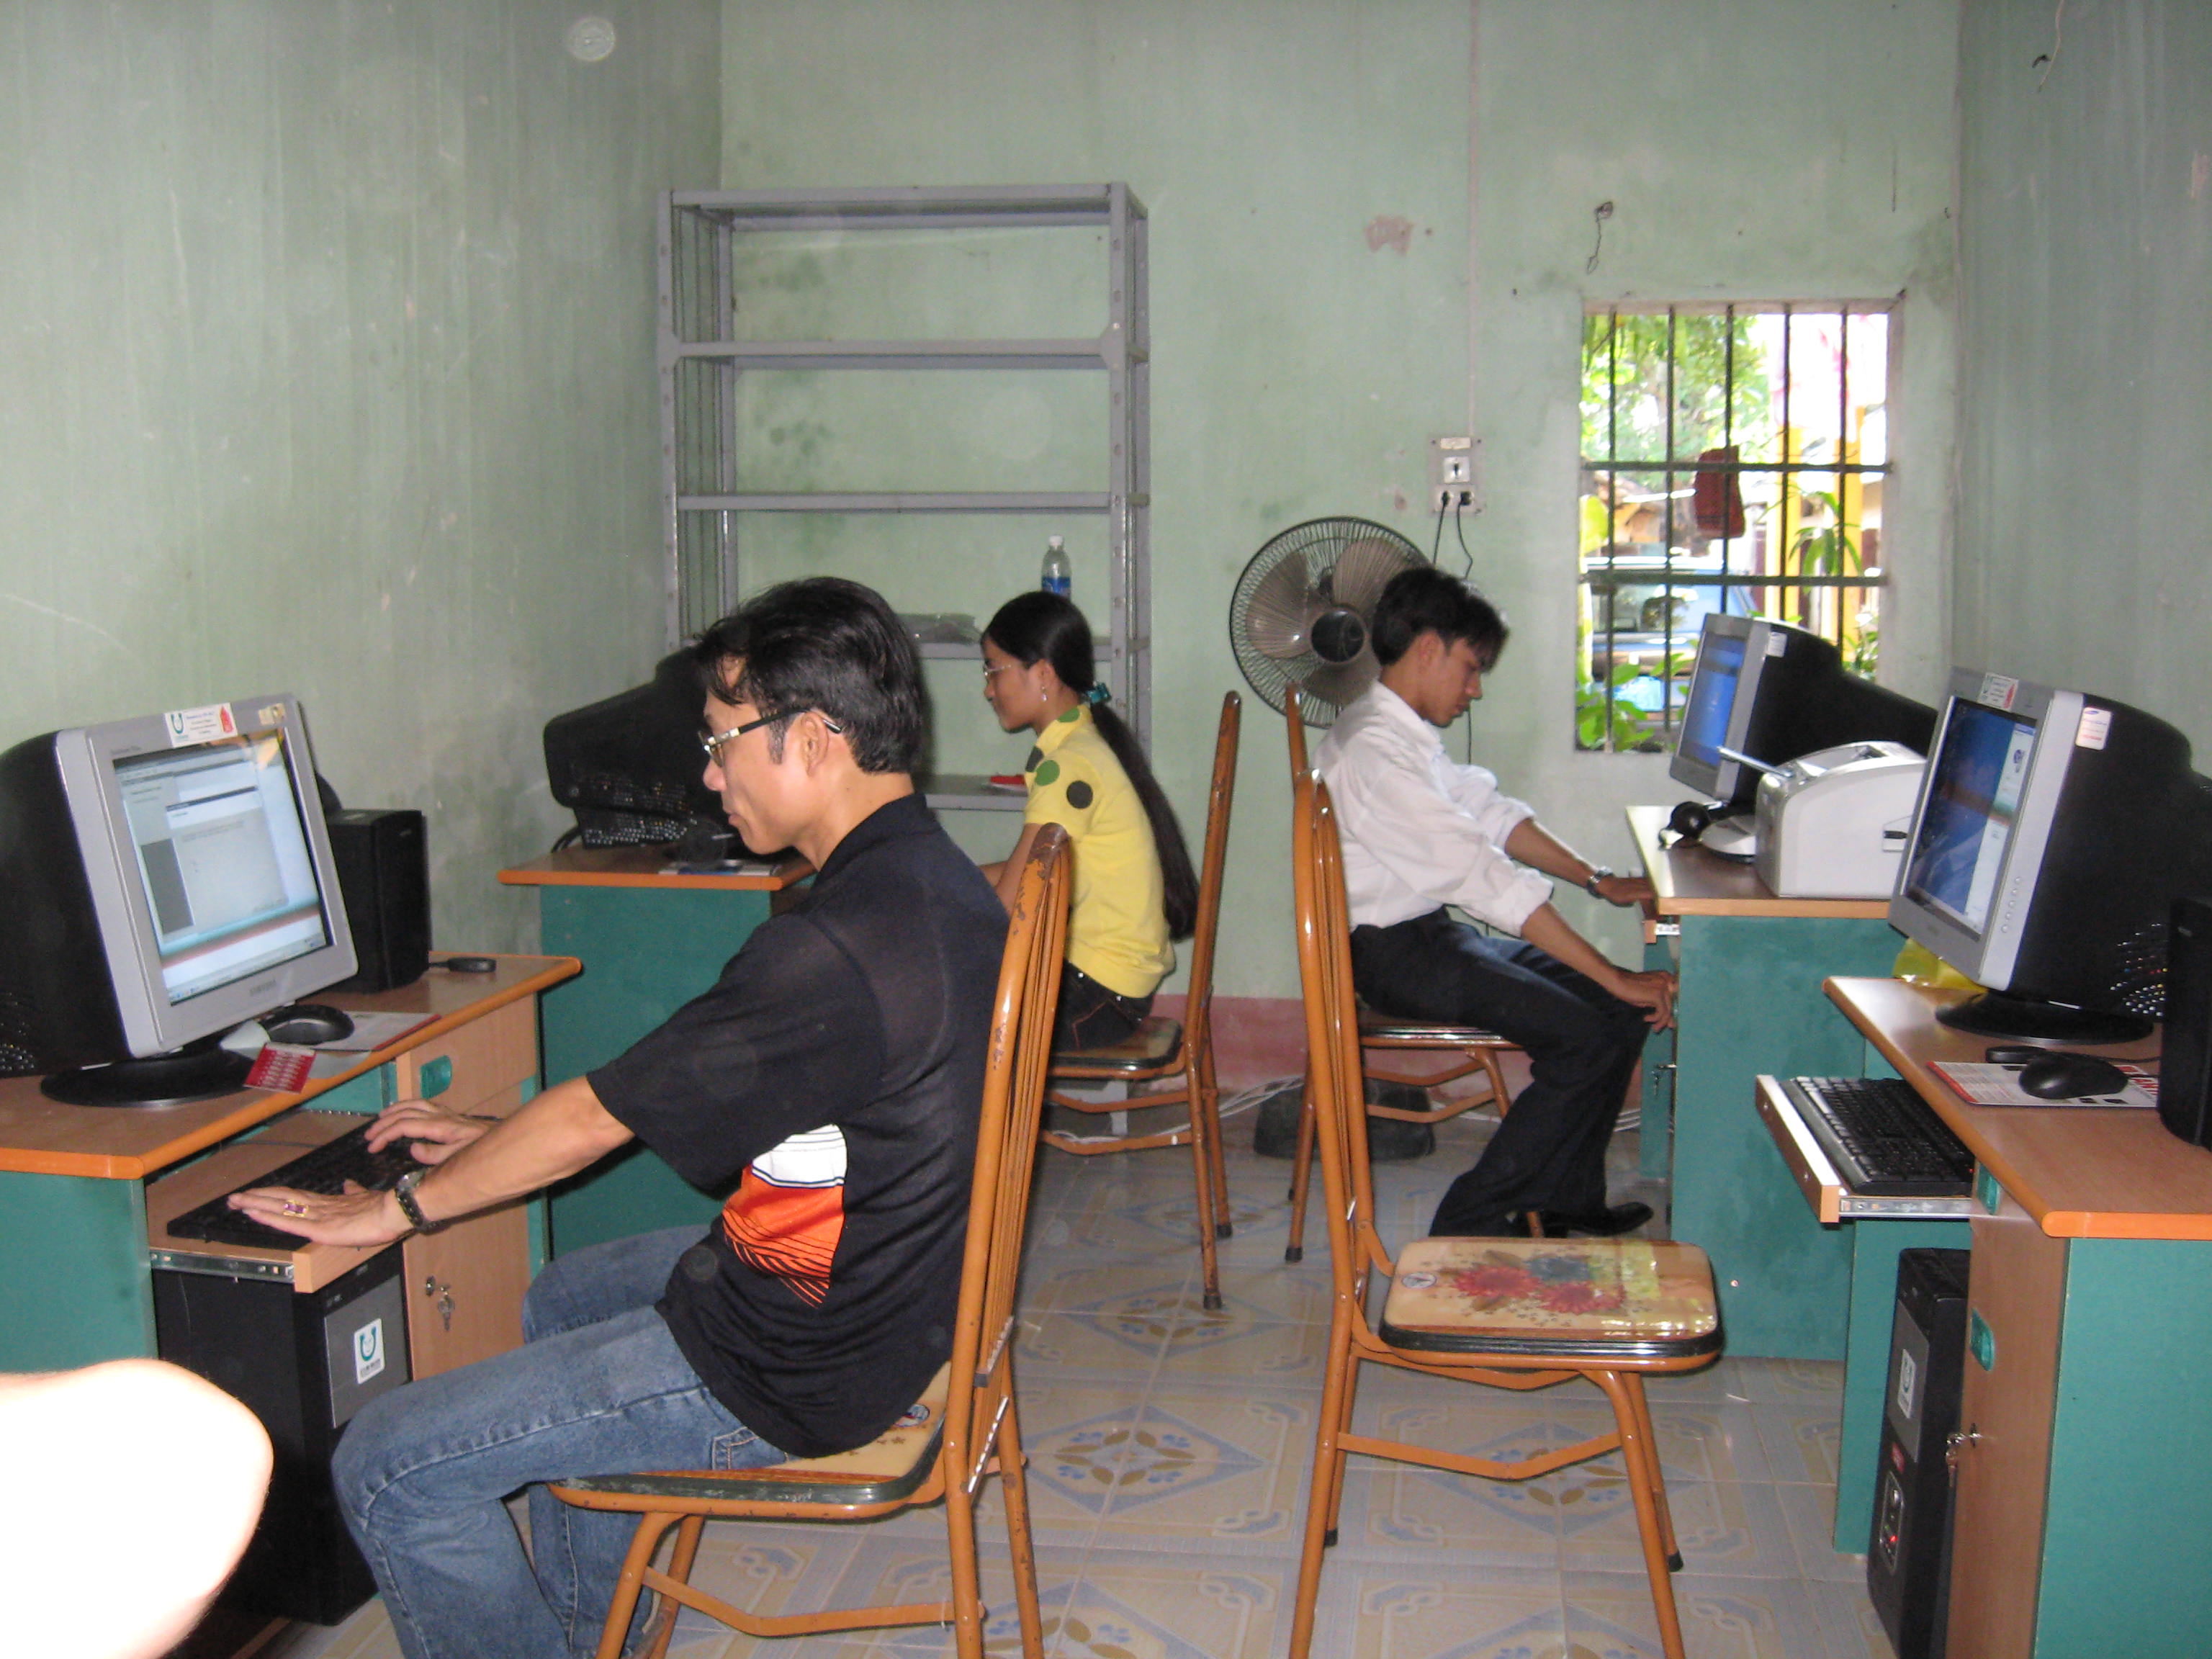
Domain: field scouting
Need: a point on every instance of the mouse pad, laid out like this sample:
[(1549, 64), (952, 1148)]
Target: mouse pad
[(1980, 1083)]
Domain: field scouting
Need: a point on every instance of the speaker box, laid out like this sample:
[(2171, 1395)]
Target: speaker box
[(384, 872), (2184, 1088)]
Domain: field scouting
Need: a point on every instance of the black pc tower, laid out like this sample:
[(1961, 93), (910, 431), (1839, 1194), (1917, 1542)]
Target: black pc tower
[(304, 1363), (2184, 1066), (1909, 1556)]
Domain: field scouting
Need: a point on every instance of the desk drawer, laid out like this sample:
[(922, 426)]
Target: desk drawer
[(469, 1065)]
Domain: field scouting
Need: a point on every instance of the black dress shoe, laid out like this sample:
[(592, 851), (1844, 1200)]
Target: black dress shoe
[(1609, 1223), (1490, 1226)]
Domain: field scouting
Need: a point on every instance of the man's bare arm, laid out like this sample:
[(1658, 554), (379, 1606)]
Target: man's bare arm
[(563, 1130), (1530, 843)]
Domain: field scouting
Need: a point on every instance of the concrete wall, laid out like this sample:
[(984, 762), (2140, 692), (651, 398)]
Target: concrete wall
[(1324, 304), (326, 347), (2084, 554)]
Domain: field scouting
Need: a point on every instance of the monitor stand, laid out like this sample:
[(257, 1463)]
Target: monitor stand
[(198, 1070), (1732, 838), (1995, 1014)]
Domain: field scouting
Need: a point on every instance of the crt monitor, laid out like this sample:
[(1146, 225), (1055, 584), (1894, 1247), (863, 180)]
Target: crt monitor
[(169, 877), (629, 766), (2054, 831), (1772, 691)]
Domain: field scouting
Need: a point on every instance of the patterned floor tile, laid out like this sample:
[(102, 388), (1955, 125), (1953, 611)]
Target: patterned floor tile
[(1729, 1528), (1435, 1608), (1811, 1513), (1212, 1469), (1610, 1616), (1848, 1624), (1173, 1604), (1803, 1440)]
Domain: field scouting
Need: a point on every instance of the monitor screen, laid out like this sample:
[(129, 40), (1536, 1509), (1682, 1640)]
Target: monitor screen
[(1972, 802), (1712, 698), (222, 860)]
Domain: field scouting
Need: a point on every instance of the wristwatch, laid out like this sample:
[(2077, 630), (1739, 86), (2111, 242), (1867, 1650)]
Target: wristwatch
[(403, 1190), (1598, 872)]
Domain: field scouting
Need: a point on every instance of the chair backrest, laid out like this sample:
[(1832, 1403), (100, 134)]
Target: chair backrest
[(1213, 868), (1324, 937), (1294, 713), (1005, 1145)]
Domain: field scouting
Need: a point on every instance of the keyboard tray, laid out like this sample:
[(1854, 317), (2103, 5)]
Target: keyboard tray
[(244, 1162), (1817, 1178)]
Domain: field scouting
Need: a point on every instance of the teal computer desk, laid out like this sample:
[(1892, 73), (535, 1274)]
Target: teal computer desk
[(2084, 1497), (1751, 966), (649, 942)]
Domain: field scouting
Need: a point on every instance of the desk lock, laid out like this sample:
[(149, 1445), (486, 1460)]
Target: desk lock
[(1956, 1443), (432, 1285)]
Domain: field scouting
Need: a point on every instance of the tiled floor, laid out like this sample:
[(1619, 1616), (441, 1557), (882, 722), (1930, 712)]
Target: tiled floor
[(1171, 1447)]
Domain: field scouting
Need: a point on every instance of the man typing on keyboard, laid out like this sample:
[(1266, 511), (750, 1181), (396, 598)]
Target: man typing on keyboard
[(829, 1082)]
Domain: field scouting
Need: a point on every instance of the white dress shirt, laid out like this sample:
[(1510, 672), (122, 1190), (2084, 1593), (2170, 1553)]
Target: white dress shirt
[(1420, 830)]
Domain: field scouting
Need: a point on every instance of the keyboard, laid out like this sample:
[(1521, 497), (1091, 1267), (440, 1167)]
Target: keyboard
[(1883, 1138), (325, 1168)]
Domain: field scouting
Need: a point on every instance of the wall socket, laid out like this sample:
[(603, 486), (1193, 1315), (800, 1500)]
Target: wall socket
[(1455, 475)]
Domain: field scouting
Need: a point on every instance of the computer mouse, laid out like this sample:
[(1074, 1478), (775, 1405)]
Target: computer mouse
[(306, 1022), (469, 964), (2069, 1077)]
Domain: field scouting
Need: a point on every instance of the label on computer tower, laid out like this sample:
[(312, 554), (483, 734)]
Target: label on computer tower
[(1998, 690), (2096, 725), (368, 1351), (1908, 1381)]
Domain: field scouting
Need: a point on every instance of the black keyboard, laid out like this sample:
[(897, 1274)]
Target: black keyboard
[(325, 1168), (1883, 1138)]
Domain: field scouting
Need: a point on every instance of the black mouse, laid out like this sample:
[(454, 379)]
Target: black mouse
[(2069, 1077), (306, 1022)]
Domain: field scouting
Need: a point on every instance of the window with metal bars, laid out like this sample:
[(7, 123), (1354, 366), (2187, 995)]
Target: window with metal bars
[(1734, 459)]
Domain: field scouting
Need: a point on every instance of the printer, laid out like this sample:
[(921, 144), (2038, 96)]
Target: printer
[(1835, 823)]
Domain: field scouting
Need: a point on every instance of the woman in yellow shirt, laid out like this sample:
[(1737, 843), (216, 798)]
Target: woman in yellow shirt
[(1135, 888)]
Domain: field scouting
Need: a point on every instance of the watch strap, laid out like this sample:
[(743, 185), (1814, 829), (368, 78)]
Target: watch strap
[(1599, 872), (403, 1190)]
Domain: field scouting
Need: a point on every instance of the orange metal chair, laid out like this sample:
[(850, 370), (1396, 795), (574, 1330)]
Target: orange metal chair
[(1178, 1055), (1519, 1314), (1380, 1034), (964, 1427)]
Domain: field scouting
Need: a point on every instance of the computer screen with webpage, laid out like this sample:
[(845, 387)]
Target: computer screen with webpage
[(1972, 803), (223, 859)]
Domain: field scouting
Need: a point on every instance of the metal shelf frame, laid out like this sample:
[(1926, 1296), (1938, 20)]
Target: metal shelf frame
[(700, 366)]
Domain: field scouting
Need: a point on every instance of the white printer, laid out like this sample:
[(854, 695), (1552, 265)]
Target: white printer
[(1834, 824)]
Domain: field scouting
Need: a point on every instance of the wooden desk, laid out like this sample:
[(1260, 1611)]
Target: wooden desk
[(1751, 966), (2085, 1501), (74, 1250), (649, 942)]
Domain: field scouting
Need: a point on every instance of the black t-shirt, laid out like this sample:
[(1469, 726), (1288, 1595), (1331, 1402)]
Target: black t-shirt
[(835, 1073)]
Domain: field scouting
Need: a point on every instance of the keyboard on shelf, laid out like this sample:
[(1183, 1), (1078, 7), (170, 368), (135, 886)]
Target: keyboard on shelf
[(1883, 1138), (325, 1168)]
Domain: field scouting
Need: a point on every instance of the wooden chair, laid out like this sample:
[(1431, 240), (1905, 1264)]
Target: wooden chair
[(1178, 1055), (1514, 1313), (1380, 1034), (964, 1425)]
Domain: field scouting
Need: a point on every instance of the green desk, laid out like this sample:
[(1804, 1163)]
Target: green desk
[(649, 942), (75, 1269), (1752, 967), (2084, 1499)]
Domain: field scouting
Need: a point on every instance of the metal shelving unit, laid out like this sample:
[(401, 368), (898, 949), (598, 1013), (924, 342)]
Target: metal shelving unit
[(702, 477)]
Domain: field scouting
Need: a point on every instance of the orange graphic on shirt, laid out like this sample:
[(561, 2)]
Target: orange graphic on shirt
[(790, 1232)]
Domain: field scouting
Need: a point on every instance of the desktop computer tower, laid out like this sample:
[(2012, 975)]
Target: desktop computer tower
[(303, 1363), (1909, 1556), (2185, 1070), (384, 872)]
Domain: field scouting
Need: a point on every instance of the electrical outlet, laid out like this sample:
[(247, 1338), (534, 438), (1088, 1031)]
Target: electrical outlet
[(1455, 481)]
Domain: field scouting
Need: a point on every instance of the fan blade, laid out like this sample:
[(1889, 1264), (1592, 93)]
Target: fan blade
[(1342, 682), (1364, 569), (1281, 609)]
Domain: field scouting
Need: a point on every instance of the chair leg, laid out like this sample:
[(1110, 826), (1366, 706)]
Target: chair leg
[(1322, 1494), (1013, 1483), (1645, 1485), (679, 1568), (651, 1528), (1658, 1477), (1201, 1157), (1302, 1171), (1217, 1148), (967, 1582)]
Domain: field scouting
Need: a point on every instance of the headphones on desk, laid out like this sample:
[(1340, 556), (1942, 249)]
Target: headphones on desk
[(1689, 820)]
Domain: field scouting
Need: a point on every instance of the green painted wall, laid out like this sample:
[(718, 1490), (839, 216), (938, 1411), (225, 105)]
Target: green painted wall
[(1309, 165), (2086, 252), (326, 348)]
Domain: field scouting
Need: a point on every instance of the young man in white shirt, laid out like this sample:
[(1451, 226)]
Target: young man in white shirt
[(1420, 833)]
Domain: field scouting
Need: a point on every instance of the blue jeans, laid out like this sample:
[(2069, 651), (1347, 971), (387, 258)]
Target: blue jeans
[(598, 1387)]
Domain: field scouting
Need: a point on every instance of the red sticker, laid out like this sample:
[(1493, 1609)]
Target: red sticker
[(281, 1067)]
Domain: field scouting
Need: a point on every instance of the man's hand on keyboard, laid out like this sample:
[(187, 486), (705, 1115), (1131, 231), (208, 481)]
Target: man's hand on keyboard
[(353, 1217), (437, 1133)]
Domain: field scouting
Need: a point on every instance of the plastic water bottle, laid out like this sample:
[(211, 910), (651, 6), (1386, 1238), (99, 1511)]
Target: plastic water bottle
[(1056, 578)]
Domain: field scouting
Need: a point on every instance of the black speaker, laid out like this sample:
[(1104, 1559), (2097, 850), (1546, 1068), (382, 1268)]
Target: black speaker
[(2184, 1090), (384, 871)]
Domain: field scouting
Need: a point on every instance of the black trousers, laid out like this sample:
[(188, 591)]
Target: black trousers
[(1091, 1016), (1583, 1043)]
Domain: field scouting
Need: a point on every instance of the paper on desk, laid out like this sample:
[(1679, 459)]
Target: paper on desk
[(1980, 1083)]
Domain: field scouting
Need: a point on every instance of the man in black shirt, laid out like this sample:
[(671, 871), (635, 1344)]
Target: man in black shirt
[(829, 1082)]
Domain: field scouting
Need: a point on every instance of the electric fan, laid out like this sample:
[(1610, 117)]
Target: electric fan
[(1301, 612)]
